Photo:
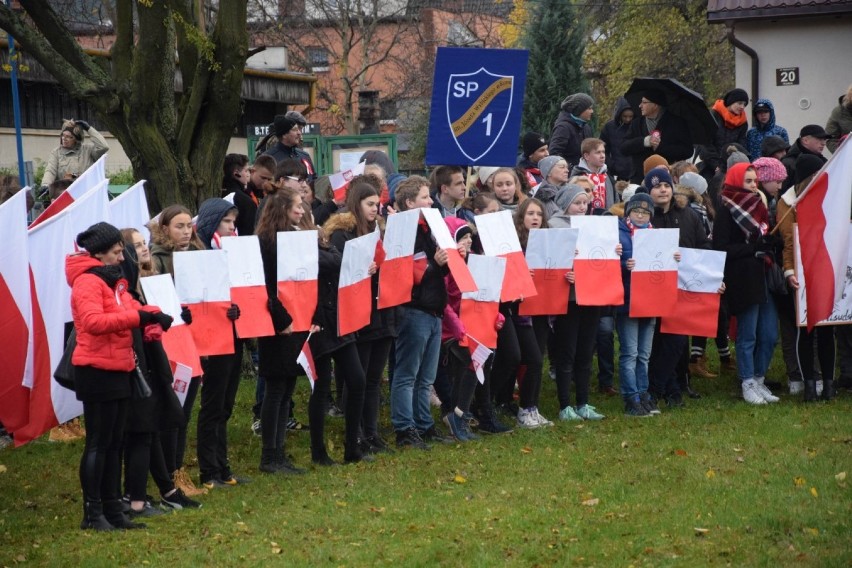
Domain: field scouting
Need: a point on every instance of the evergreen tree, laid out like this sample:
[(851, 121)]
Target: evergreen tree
[(555, 38)]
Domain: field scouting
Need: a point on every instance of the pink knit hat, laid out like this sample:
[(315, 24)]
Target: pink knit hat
[(769, 169)]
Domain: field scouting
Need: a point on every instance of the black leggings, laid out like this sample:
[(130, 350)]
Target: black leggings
[(463, 377), (143, 452), (100, 465), (374, 357), (218, 394), (275, 411), (825, 352), (173, 441), (347, 364), (574, 347)]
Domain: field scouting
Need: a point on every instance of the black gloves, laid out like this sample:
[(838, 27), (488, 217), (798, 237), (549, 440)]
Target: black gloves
[(186, 315), (82, 124), (281, 320), (233, 312), (145, 318), (165, 320)]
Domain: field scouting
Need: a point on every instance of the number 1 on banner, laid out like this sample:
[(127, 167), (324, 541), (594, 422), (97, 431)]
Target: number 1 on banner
[(487, 121)]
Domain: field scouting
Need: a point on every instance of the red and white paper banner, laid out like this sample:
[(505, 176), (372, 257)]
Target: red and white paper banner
[(340, 180), (479, 354), (500, 238), (201, 281), (248, 286), (298, 270), (182, 376), (354, 292), (699, 276), (85, 182), (550, 255), (178, 341), (441, 234), (479, 309), (306, 360), (653, 281), (396, 277), (597, 266)]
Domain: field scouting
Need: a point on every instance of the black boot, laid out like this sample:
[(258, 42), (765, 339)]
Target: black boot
[(286, 466), (114, 513), (810, 391), (93, 517), (353, 454), (269, 461), (828, 389)]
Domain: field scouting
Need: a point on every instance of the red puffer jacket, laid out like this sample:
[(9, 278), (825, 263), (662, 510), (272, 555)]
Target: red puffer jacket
[(103, 317)]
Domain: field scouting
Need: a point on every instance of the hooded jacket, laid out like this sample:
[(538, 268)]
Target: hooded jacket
[(210, 214), (566, 136), (839, 121), (758, 132), (103, 317), (613, 134)]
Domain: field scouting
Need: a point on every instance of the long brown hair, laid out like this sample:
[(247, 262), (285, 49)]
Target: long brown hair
[(358, 193), (523, 232), (274, 215), (160, 229), (145, 268)]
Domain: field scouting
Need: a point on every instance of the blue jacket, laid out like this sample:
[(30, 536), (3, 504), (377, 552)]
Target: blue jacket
[(626, 240), (757, 133)]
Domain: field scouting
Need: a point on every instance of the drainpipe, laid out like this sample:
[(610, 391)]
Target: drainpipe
[(755, 60)]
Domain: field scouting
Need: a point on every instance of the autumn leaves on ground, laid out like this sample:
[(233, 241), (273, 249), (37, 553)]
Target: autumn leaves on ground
[(717, 483)]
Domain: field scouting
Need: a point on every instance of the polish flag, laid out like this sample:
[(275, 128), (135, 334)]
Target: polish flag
[(441, 234), (94, 175), (699, 277), (248, 286), (340, 181), (500, 238), (182, 375), (479, 309), (49, 243), (15, 312), (822, 211), (550, 255), (201, 281), (130, 210), (178, 342), (298, 270), (396, 277), (306, 360), (479, 354), (653, 281), (354, 290), (597, 267)]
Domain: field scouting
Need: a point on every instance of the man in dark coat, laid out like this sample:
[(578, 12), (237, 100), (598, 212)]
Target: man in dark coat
[(613, 135), (811, 140), (572, 127), (656, 132), (288, 129)]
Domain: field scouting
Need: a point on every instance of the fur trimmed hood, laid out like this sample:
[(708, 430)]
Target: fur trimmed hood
[(345, 221)]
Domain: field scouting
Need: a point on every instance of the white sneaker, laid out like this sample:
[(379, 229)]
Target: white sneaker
[(542, 421), (433, 398), (764, 391), (526, 419), (797, 387), (819, 387), (751, 394)]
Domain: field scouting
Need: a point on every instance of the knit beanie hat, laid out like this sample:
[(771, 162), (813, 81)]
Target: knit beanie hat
[(806, 166), (485, 172), (545, 165), (283, 123), (772, 144), (769, 169), (99, 238), (735, 96), (695, 181), (653, 161), (639, 201), (566, 195), (736, 158), (577, 103), (458, 228), (531, 142), (657, 176)]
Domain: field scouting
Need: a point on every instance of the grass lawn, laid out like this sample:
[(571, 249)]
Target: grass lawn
[(716, 483)]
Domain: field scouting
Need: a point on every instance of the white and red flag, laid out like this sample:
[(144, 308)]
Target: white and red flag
[(597, 266), (94, 175), (130, 210), (550, 255), (340, 181), (248, 286), (653, 281), (306, 360), (699, 276), (201, 281), (182, 375), (15, 312), (354, 290), (178, 342), (298, 270), (500, 238), (822, 211), (396, 277), (441, 234), (479, 354), (479, 309)]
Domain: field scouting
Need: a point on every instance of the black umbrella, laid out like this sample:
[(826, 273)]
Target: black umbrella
[(681, 101)]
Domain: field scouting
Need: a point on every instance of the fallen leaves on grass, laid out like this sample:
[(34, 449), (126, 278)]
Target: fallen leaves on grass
[(459, 479), (812, 531), (276, 549), (526, 450), (591, 502), (340, 503), (840, 477), (799, 481), (2, 468), (814, 492), (699, 531), (710, 473), (377, 510), (623, 444), (679, 452)]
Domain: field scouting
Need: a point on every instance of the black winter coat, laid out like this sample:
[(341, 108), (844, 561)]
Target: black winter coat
[(745, 279), (675, 143), (430, 295), (789, 162), (326, 341), (727, 136), (566, 137), (613, 134), (246, 207)]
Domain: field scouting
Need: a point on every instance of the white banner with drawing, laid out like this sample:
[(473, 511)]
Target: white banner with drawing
[(842, 313)]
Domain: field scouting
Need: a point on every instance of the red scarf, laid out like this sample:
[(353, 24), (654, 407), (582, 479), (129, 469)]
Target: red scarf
[(599, 191), (730, 119)]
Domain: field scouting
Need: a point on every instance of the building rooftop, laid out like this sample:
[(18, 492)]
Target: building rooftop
[(734, 10)]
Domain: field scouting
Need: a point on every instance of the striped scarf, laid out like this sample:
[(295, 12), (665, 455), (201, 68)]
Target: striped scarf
[(748, 211)]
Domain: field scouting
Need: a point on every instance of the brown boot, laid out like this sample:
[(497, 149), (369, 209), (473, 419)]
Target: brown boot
[(76, 428), (61, 434), (699, 369), (183, 482), (728, 364)]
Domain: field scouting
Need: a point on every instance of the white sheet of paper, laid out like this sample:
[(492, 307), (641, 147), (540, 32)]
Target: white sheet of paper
[(245, 266), (654, 249), (400, 234), (440, 231), (551, 248), (202, 276), (497, 233), (160, 291), (350, 160), (487, 272), (298, 256), (598, 236), (700, 270), (358, 254), (130, 209)]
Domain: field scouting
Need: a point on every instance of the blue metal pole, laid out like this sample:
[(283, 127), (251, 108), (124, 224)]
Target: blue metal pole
[(16, 107)]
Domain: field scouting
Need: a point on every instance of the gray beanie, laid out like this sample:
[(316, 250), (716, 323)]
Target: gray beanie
[(546, 164), (577, 103), (736, 158), (566, 195), (695, 181)]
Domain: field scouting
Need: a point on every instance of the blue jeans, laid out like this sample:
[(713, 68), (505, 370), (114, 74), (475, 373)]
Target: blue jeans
[(418, 348), (635, 338), (757, 333)]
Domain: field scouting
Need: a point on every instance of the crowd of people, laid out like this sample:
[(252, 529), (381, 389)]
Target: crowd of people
[(639, 170)]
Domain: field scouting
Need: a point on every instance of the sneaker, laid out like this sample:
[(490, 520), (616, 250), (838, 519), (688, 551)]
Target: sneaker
[(542, 421), (456, 426), (433, 434), (466, 431), (490, 424), (255, 427), (433, 398), (819, 387), (751, 394), (797, 387), (508, 409), (764, 391), (410, 438), (287, 467), (634, 407), (526, 419), (148, 510), (378, 445), (588, 412), (6, 441), (675, 401), (568, 413), (552, 373), (215, 483), (231, 479), (334, 411), (294, 425), (183, 482), (177, 501)]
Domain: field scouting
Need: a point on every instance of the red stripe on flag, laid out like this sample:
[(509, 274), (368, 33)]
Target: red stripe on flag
[(816, 262), (479, 319), (211, 328), (354, 307), (460, 271), (697, 314), (652, 293), (180, 347), (396, 279), (64, 200), (300, 300), (553, 292), (517, 282), (255, 320), (598, 282), (14, 335)]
